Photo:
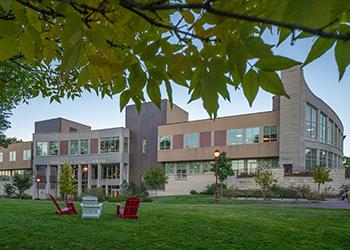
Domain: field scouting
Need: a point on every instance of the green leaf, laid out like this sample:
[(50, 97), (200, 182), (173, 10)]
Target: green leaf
[(70, 57), (169, 91), (8, 47), (250, 86), (153, 92), (319, 47), (27, 47), (150, 51), (274, 63), (124, 99), (271, 82), (342, 56)]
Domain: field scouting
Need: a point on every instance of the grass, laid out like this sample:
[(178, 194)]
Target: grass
[(174, 223)]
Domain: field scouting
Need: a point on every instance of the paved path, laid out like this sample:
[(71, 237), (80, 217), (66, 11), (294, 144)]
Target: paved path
[(336, 204)]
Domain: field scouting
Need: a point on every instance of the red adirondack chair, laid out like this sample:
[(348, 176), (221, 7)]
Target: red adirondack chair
[(70, 209), (130, 208)]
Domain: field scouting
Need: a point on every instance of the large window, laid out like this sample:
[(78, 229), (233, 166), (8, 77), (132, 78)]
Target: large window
[(252, 135), (310, 122), (111, 171), (84, 147), (12, 155), (195, 168), (5, 175), (310, 158), (323, 128), (169, 168), (181, 171), (330, 134), (238, 166), (74, 147), (323, 158), (27, 154), (268, 163), (191, 140), (41, 148), (94, 172), (252, 165), (207, 167), (126, 145), (330, 160), (109, 145), (164, 142), (53, 148), (235, 136), (270, 133)]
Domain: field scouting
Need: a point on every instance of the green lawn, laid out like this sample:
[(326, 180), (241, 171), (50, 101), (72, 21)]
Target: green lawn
[(169, 223)]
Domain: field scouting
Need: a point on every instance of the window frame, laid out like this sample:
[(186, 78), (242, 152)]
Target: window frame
[(191, 138), (160, 142), (232, 136)]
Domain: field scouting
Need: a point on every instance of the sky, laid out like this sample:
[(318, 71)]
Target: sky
[(321, 76)]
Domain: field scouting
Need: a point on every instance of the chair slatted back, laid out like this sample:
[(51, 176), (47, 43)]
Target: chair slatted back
[(131, 207), (55, 202)]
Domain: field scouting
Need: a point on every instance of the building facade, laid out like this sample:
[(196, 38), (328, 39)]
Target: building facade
[(299, 133)]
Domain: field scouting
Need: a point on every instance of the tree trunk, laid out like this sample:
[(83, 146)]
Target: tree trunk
[(221, 188), (318, 187), (156, 192), (264, 193)]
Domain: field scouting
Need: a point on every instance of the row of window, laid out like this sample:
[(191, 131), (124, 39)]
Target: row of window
[(183, 169), (5, 175), (81, 147), (27, 155), (324, 159), (322, 129), (235, 137)]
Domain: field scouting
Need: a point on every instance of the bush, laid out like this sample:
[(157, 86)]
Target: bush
[(146, 199), (210, 189), (348, 195), (98, 192), (231, 192), (118, 198), (315, 196), (284, 192), (194, 192), (255, 193), (303, 191), (9, 189)]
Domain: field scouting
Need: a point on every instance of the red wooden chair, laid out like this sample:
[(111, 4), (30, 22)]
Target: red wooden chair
[(130, 208), (70, 209)]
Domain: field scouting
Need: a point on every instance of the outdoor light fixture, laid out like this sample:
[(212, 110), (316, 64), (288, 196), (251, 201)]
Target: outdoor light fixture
[(85, 168), (216, 158), (37, 186)]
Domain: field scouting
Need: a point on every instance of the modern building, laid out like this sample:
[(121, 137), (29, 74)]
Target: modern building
[(299, 133)]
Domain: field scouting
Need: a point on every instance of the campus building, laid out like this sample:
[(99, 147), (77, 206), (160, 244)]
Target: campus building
[(298, 134)]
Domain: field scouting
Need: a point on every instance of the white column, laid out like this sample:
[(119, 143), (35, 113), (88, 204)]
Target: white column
[(99, 175), (35, 185), (120, 173), (89, 176), (48, 173), (79, 180), (58, 180)]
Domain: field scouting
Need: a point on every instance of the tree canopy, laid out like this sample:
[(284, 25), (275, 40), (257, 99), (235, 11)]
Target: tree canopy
[(133, 47)]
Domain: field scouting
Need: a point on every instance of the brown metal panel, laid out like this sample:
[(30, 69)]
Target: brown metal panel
[(63, 147), (205, 139), (178, 141), (220, 138), (94, 146)]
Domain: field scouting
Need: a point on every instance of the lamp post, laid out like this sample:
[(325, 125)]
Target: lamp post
[(216, 158), (85, 170), (37, 180)]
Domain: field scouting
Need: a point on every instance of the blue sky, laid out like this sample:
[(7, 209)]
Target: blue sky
[(321, 76)]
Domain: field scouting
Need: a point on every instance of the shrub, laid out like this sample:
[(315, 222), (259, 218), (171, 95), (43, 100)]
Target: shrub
[(264, 179), (303, 191), (146, 199), (22, 182), (117, 198), (98, 192), (9, 190), (255, 193), (284, 192), (210, 189), (348, 195), (315, 196), (194, 192), (231, 192)]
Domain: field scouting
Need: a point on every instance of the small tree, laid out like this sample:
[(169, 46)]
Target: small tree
[(22, 182), (224, 169), (264, 179), (67, 181), (124, 188), (9, 189), (321, 176), (155, 177)]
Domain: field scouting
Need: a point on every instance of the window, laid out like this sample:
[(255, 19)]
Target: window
[(74, 147), (109, 145), (144, 145), (191, 140), (110, 171), (310, 122), (207, 167), (270, 133), (41, 148), (53, 148), (164, 142), (181, 171), (252, 135), (336, 135), (238, 166), (1, 157), (252, 165), (5, 175), (84, 147), (169, 168), (323, 127), (330, 133), (27, 154), (94, 172), (323, 158), (268, 163), (330, 160), (12, 155), (310, 158), (195, 168), (126, 145), (235, 136)]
